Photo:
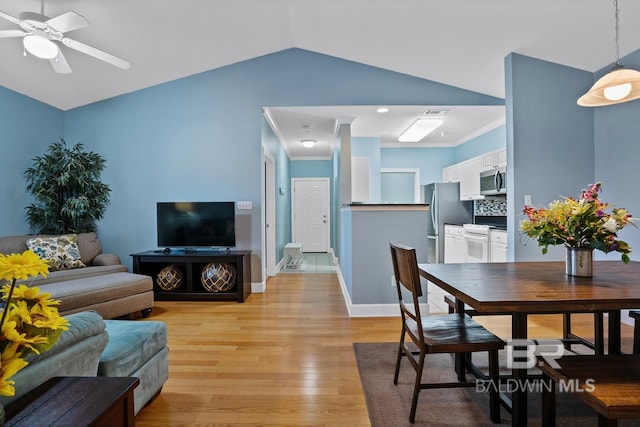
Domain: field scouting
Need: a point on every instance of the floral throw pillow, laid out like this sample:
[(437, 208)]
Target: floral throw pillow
[(61, 252)]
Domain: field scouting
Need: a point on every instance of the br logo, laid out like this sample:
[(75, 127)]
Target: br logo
[(522, 353)]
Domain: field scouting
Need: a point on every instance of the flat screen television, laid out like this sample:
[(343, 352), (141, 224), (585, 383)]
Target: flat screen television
[(196, 224)]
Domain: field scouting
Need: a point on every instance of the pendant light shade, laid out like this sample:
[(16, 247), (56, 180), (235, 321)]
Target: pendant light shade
[(618, 85)]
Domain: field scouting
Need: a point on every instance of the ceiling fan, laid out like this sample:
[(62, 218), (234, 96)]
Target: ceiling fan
[(39, 34)]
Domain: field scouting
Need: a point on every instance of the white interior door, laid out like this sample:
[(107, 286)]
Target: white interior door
[(310, 213)]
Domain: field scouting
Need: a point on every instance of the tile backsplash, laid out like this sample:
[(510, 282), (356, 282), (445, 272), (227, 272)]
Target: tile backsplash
[(490, 207)]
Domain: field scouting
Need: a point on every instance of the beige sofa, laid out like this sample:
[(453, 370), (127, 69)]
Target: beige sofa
[(104, 285)]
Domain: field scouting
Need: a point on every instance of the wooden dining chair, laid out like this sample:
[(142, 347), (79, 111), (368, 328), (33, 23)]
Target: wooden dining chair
[(447, 333)]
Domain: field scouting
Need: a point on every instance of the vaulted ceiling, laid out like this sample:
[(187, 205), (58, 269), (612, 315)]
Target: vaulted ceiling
[(457, 42), (461, 43)]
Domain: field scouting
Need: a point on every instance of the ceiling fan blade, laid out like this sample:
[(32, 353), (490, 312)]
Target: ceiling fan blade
[(96, 53), (12, 33), (10, 18), (60, 64), (68, 21)]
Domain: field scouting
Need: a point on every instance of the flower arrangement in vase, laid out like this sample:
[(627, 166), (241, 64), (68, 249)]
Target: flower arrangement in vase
[(30, 321), (585, 223)]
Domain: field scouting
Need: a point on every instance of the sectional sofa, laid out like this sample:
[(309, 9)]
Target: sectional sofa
[(95, 292), (90, 280)]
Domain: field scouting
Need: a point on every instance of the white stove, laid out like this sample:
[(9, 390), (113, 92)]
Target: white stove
[(476, 237)]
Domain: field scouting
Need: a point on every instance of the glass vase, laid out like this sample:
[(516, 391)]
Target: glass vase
[(579, 262)]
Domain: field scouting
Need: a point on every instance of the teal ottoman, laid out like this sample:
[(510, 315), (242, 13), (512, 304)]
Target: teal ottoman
[(137, 349)]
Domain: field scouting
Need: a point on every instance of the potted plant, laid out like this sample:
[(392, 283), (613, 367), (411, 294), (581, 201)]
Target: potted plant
[(69, 196)]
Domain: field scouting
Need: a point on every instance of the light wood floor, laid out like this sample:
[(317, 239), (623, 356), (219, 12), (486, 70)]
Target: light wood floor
[(283, 358)]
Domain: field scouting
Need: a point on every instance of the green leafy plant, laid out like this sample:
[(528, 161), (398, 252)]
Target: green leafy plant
[(69, 196)]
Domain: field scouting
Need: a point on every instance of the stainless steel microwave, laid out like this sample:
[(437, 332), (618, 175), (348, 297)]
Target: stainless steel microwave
[(493, 182)]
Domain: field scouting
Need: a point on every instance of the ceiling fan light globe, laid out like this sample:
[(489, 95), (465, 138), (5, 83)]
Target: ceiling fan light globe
[(617, 92), (40, 47)]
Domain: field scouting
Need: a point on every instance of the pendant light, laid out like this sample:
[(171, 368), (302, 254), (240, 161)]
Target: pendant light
[(618, 85)]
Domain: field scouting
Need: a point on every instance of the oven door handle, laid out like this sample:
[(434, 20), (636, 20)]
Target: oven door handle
[(477, 237)]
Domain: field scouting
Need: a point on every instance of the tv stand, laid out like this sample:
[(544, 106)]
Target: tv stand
[(191, 264)]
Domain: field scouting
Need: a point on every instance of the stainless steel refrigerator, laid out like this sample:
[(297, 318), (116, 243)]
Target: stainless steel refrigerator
[(445, 207)]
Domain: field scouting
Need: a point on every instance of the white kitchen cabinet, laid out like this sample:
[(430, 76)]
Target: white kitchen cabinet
[(454, 244), (494, 159), (451, 173), (467, 173), (498, 246), (470, 178), (502, 157)]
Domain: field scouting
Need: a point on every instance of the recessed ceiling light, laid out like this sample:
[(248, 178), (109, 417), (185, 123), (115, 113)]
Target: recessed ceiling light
[(308, 142), (382, 110)]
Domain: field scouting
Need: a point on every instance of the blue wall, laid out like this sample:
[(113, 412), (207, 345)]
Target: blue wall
[(493, 140), (199, 138), (272, 146), (430, 161), (27, 127), (617, 152), (550, 142), (311, 168)]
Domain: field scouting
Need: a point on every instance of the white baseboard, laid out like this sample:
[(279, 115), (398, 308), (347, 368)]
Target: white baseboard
[(258, 288), (370, 310)]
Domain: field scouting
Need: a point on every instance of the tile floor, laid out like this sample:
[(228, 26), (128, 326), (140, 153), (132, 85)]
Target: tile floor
[(312, 262)]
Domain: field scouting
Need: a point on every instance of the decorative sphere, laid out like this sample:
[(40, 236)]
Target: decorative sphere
[(169, 278), (218, 277)]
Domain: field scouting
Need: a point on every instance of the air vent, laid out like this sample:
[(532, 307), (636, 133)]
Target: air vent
[(430, 112)]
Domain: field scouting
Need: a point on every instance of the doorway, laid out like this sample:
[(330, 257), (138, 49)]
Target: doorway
[(269, 214), (310, 220)]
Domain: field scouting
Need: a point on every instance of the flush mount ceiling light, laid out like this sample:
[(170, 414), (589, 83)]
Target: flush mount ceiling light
[(308, 143), (618, 85), (40, 46), (419, 129), (382, 110)]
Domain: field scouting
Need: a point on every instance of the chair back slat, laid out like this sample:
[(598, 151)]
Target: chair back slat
[(405, 271)]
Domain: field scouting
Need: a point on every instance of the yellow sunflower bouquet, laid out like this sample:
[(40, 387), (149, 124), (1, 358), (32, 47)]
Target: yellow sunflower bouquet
[(30, 321)]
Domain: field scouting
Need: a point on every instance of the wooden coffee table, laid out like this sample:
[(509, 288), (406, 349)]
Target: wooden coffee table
[(76, 401)]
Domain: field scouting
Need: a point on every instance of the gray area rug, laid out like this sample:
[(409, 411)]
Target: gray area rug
[(388, 405)]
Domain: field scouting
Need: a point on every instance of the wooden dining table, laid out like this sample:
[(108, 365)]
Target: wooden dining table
[(519, 289)]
